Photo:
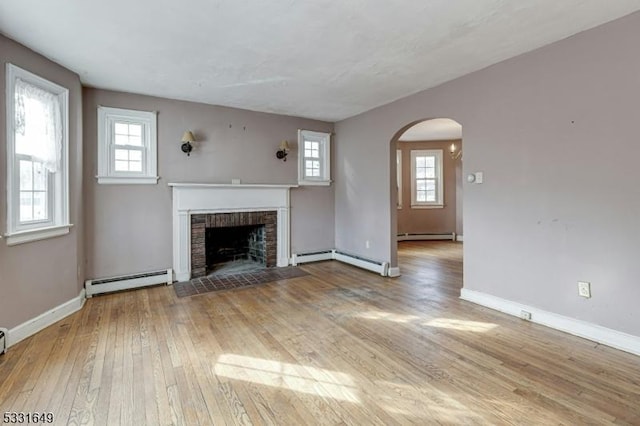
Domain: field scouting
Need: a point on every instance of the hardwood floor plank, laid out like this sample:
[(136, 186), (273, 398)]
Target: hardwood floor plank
[(338, 346)]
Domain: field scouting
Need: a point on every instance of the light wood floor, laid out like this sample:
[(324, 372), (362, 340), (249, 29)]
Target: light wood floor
[(340, 346)]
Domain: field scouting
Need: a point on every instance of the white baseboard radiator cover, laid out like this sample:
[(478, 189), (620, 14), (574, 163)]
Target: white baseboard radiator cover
[(128, 282), (426, 237), (381, 268)]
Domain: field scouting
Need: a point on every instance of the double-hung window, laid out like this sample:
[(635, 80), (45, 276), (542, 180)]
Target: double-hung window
[(314, 166), (37, 157), (127, 146), (426, 179)]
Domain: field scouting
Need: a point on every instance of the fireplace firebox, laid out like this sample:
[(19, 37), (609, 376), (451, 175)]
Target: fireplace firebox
[(223, 237)]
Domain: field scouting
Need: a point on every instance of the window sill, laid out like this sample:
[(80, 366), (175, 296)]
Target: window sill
[(36, 234), (128, 180), (314, 182), (427, 206)]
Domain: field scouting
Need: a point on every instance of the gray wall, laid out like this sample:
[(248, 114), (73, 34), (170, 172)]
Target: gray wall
[(38, 276), (554, 133), (429, 221), (129, 226)]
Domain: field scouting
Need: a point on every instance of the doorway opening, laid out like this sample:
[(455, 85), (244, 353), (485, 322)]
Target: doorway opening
[(426, 185)]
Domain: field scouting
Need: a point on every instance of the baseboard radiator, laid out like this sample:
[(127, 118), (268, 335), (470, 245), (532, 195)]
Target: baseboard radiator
[(315, 256), (424, 237), (381, 268), (127, 282)]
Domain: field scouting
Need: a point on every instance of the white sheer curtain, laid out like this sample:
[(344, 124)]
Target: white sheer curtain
[(38, 124)]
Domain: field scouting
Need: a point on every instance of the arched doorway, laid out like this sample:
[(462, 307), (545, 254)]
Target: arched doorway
[(426, 183)]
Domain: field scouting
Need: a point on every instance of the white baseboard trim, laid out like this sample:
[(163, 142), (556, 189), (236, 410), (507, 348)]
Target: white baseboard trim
[(426, 237), (459, 238), (32, 326), (394, 271), (615, 339)]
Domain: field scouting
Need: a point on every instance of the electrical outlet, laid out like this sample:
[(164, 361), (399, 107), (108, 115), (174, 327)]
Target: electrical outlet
[(479, 177), (584, 289), (366, 244), (525, 315)]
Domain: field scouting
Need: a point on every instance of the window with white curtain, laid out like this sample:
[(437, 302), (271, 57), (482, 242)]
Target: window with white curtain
[(37, 157)]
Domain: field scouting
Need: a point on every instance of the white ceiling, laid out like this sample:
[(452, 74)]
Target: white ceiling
[(436, 129), (321, 59)]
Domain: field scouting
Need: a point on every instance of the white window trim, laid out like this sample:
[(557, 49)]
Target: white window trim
[(439, 203), (325, 148), (59, 223), (106, 174), (399, 176)]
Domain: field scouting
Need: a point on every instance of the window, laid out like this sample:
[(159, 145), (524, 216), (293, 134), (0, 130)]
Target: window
[(37, 157), (399, 176), (127, 146), (313, 158), (426, 179)]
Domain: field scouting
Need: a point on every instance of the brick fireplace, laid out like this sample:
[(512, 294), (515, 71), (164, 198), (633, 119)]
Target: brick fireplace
[(259, 229), (198, 207)]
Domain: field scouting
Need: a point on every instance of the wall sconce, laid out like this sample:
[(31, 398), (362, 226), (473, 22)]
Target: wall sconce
[(187, 138), (454, 151), (282, 151)]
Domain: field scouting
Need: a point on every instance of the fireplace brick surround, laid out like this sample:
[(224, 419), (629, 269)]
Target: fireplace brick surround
[(201, 222)]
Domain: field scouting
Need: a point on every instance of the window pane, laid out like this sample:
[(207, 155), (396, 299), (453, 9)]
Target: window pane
[(135, 129), (421, 185), (431, 185), (40, 205), (135, 155), (421, 196), (431, 196), (122, 140), (135, 166), (122, 154), (421, 173), (26, 175), (430, 161), (39, 177), (122, 166), (35, 137), (135, 140), (421, 162), (430, 172), (26, 206), (122, 129)]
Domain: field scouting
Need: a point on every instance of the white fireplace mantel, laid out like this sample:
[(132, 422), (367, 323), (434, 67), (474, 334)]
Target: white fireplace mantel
[(204, 198)]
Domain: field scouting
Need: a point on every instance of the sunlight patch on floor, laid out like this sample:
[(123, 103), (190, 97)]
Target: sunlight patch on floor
[(430, 405), (462, 325), (298, 378), (388, 316)]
